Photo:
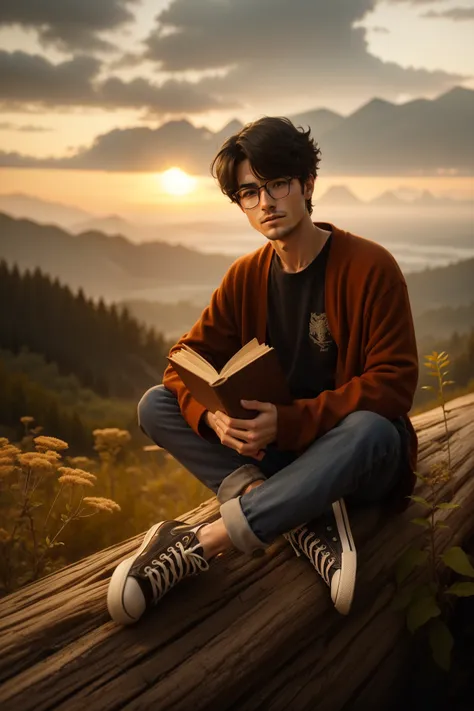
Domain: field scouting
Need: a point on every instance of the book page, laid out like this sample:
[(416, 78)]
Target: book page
[(245, 358), (248, 358), (194, 362), (198, 357), (240, 356)]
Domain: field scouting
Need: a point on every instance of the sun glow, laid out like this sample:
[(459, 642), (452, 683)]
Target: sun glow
[(176, 182)]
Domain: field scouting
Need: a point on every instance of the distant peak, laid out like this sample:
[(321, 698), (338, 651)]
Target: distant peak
[(457, 91), (339, 194), (377, 101)]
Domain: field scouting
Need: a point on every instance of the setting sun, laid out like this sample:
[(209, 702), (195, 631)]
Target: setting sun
[(176, 182)]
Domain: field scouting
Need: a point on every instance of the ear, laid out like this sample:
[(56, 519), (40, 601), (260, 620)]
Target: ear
[(308, 188)]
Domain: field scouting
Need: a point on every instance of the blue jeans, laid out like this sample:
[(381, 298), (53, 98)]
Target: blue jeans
[(358, 460)]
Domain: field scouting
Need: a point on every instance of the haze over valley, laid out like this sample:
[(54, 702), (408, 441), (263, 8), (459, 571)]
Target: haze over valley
[(111, 117)]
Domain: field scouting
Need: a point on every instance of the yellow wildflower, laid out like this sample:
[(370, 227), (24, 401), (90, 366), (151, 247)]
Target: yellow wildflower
[(26, 458), (101, 504), (35, 461), (43, 443), (80, 461), (9, 451), (74, 479), (6, 470), (69, 471), (27, 420), (4, 536), (6, 460), (51, 455), (111, 437), (4, 442)]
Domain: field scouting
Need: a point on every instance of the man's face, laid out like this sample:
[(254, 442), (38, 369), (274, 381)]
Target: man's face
[(276, 219)]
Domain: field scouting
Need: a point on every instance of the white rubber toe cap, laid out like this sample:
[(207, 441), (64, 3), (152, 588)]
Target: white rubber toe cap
[(133, 599), (125, 600)]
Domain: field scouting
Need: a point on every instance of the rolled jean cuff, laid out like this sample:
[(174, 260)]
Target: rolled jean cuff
[(235, 482), (238, 529)]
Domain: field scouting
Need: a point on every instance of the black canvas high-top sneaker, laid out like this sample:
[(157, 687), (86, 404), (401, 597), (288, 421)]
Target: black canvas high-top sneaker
[(170, 552), (328, 543)]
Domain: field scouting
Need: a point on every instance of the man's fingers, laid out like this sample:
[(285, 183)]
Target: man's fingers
[(257, 405), (247, 449), (244, 435), (234, 422)]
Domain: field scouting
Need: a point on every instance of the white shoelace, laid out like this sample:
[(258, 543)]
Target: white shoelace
[(313, 548), (171, 567)]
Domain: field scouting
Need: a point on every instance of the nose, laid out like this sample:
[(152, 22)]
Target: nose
[(265, 199)]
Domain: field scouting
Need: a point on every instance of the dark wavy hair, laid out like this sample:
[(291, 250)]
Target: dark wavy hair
[(274, 148)]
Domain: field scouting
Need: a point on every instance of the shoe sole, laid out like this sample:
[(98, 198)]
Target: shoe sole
[(345, 590), (115, 603)]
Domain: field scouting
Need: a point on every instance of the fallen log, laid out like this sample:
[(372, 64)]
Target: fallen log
[(254, 632)]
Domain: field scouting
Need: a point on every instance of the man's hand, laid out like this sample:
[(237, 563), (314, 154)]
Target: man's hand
[(247, 437)]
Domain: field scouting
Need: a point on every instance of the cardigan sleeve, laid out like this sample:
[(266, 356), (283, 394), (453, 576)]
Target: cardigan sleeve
[(386, 384), (215, 337)]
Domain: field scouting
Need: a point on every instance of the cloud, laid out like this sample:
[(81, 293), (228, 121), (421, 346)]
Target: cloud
[(30, 78), (25, 128), (419, 137), (137, 149), (27, 79), (458, 14), (68, 24), (171, 97), (278, 49), (144, 149)]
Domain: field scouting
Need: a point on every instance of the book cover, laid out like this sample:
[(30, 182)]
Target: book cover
[(261, 379)]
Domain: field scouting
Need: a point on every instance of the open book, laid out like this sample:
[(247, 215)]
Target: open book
[(253, 373)]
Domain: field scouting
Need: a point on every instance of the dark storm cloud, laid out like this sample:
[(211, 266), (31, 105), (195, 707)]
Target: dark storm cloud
[(203, 34), (69, 24), (170, 97), (27, 80), (30, 78), (276, 48), (459, 14)]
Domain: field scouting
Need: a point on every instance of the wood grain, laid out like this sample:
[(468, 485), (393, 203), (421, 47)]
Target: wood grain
[(253, 632)]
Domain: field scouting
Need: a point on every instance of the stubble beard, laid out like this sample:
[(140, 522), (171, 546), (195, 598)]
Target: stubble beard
[(282, 233)]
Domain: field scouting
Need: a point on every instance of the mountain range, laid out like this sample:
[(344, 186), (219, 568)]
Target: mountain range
[(116, 269), (420, 137), (106, 266), (77, 220)]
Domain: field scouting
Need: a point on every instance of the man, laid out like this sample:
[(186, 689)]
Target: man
[(335, 308)]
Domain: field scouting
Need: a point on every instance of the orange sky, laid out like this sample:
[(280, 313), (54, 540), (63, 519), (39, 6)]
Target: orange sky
[(142, 194)]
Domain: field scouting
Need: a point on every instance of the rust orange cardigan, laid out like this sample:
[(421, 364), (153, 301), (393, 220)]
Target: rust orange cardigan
[(370, 319)]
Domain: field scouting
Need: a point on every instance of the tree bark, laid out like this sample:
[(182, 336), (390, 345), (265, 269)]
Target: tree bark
[(252, 633)]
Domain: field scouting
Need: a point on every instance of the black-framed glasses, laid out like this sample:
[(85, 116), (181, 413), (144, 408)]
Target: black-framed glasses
[(249, 197)]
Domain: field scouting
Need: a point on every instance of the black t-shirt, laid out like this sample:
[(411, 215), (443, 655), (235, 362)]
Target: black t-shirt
[(297, 326)]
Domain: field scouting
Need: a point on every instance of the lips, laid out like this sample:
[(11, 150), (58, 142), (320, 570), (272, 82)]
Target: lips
[(272, 219)]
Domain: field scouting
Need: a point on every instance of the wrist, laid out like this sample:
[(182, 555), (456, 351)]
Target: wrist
[(207, 419)]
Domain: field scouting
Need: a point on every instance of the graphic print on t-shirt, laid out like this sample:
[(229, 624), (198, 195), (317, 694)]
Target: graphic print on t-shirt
[(319, 331), (298, 328)]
